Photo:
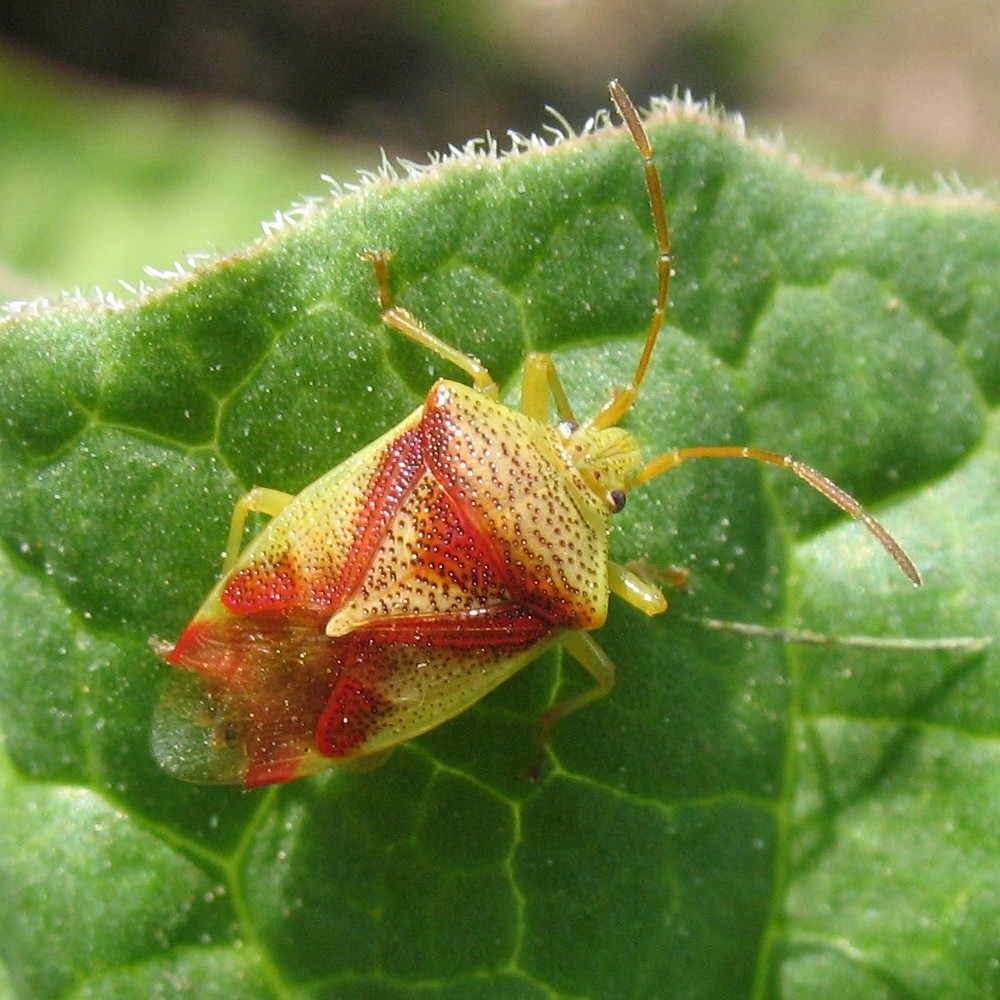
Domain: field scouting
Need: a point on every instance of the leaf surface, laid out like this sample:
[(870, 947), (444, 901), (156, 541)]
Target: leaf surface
[(742, 816)]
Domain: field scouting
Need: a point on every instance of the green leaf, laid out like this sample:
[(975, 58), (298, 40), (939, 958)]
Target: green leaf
[(744, 816)]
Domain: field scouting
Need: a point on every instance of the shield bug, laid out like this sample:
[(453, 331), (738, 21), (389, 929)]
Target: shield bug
[(402, 586)]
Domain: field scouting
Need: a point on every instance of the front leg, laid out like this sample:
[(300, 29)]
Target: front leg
[(408, 325), (636, 589)]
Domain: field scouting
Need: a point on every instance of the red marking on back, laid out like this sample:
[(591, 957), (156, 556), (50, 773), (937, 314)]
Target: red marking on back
[(351, 716), (453, 547), (393, 480), (261, 586), (519, 496), (445, 453), (506, 626)]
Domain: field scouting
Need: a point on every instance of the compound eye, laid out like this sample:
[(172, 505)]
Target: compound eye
[(616, 500)]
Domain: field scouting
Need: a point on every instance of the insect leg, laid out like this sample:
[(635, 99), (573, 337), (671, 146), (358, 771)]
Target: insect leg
[(636, 589), (584, 649), (260, 500), (405, 323), (539, 381)]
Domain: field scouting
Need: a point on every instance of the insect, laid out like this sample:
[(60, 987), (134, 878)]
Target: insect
[(401, 587)]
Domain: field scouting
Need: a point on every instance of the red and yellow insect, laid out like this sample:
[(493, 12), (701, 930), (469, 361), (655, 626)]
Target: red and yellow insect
[(402, 586)]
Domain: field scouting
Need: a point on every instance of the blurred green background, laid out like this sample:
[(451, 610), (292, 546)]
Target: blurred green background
[(132, 133)]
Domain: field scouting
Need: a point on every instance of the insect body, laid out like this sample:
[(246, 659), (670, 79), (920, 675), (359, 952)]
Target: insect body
[(402, 586)]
